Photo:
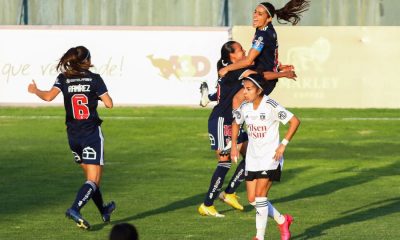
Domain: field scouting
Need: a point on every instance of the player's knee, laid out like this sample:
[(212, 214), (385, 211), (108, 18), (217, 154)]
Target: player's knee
[(224, 158)]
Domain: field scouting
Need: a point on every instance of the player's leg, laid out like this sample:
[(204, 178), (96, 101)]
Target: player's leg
[(218, 139), (229, 195), (261, 192)]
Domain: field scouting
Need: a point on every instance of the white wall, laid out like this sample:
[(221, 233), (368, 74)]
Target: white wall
[(139, 65)]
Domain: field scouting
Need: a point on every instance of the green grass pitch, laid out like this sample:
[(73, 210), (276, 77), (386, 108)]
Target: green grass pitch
[(341, 178)]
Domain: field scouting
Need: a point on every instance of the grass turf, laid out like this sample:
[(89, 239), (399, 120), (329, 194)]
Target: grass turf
[(340, 179)]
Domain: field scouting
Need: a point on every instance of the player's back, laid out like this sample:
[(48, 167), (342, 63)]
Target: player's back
[(81, 95), (227, 87)]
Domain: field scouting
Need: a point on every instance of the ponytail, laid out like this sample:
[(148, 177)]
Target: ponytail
[(291, 12), (75, 62)]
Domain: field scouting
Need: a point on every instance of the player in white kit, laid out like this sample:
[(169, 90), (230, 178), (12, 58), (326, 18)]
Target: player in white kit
[(264, 158)]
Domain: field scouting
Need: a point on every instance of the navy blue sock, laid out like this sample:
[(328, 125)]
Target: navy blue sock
[(237, 178), (98, 200), (216, 182), (84, 194)]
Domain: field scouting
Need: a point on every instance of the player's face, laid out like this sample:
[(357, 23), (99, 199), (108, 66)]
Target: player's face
[(238, 53), (251, 91), (260, 17)]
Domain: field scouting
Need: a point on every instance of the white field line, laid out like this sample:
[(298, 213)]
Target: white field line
[(189, 118)]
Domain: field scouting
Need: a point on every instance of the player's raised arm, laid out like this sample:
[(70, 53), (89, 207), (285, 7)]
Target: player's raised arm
[(47, 96)]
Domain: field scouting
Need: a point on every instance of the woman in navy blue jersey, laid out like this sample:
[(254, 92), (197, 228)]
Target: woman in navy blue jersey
[(219, 131), (82, 89), (264, 50)]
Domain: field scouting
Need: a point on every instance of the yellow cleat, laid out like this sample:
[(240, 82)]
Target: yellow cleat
[(231, 200), (209, 211)]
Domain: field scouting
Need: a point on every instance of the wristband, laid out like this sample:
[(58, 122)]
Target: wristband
[(284, 141)]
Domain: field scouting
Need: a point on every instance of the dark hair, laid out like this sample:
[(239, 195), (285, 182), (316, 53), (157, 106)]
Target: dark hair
[(225, 59), (124, 231), (75, 62), (291, 12)]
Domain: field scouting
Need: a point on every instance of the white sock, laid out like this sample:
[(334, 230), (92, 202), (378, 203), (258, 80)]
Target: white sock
[(261, 216), (273, 213)]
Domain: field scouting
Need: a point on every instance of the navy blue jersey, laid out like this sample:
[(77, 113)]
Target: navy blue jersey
[(227, 87), (80, 102), (266, 42)]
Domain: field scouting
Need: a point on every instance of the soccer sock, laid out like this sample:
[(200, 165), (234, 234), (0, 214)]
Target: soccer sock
[(273, 213), (98, 200), (261, 216), (216, 182), (237, 178), (84, 194)]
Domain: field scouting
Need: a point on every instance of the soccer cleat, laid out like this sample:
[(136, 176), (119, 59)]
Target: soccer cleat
[(204, 94), (76, 216), (231, 200), (107, 210), (209, 211), (284, 227)]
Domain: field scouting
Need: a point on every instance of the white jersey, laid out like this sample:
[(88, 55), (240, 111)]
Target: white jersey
[(263, 131)]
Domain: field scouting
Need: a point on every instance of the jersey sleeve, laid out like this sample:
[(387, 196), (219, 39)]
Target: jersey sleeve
[(280, 113), (238, 115), (101, 87), (59, 82), (259, 41)]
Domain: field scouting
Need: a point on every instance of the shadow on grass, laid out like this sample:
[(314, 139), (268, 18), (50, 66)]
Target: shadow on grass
[(390, 206)]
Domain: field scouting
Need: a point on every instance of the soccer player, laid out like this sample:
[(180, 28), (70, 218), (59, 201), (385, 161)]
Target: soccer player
[(264, 156), (264, 50), (219, 131), (82, 89)]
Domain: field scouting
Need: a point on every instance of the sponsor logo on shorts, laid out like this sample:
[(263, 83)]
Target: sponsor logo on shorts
[(89, 153)]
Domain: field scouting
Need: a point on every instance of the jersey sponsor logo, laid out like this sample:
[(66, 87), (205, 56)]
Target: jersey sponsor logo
[(256, 131), (227, 130), (78, 80), (89, 153), (181, 66), (78, 88), (282, 115)]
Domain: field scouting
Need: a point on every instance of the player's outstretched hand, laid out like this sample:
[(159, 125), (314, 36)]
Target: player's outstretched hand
[(32, 87), (234, 155), (291, 75)]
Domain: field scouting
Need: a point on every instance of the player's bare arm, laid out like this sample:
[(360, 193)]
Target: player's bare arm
[(47, 96), (294, 123), (248, 61)]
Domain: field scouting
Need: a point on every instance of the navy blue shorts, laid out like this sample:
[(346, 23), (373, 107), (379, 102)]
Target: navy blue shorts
[(88, 149), (220, 133)]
